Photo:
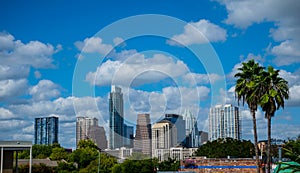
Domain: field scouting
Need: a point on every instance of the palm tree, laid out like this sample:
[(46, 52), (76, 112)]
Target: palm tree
[(275, 91), (247, 90)]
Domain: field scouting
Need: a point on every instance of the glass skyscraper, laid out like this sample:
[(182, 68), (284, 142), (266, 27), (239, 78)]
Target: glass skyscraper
[(46, 130), (116, 118), (224, 122)]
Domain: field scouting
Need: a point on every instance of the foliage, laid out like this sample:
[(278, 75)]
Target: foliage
[(169, 165), (291, 149), (38, 152), (36, 168), (222, 148), (58, 154), (136, 166)]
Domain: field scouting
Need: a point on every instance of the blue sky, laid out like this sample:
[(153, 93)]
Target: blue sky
[(60, 58)]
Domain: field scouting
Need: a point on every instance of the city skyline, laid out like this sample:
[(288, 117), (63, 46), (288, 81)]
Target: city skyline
[(60, 59)]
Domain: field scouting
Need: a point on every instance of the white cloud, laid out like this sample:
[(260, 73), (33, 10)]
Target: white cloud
[(294, 99), (44, 90), (286, 53), (13, 72), (119, 40), (34, 53), (6, 114), (93, 45), (136, 70), (199, 32), (285, 16), (11, 88), (37, 74), (199, 79)]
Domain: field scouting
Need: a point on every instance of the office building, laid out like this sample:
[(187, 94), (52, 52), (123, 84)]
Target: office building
[(177, 153), (46, 130), (203, 137), (128, 136), (224, 122), (97, 134), (85, 128), (191, 129), (164, 135), (179, 123), (116, 118), (142, 140)]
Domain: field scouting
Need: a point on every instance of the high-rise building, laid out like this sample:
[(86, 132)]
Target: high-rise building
[(84, 127), (224, 122), (46, 130), (97, 134), (191, 129), (164, 135), (203, 137), (128, 136), (178, 121), (116, 118), (142, 140)]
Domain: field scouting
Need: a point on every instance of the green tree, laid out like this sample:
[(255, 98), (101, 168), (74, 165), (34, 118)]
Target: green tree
[(248, 90), (275, 91), (58, 154), (291, 149), (169, 165), (222, 148)]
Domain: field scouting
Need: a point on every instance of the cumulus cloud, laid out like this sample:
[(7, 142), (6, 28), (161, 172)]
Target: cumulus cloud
[(93, 45), (136, 70), (199, 32), (12, 88), (13, 72), (44, 90), (15, 53), (200, 79), (285, 16), (119, 41)]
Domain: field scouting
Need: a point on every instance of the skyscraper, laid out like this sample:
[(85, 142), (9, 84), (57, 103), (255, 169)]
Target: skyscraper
[(128, 136), (164, 135), (142, 140), (116, 118), (85, 125), (97, 134), (46, 130), (224, 122), (191, 129), (179, 123)]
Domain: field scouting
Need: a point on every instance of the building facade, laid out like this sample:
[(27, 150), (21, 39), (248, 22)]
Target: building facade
[(164, 135), (142, 140), (224, 122), (46, 130), (128, 136), (86, 129), (97, 134), (179, 123), (191, 129), (116, 118), (177, 153)]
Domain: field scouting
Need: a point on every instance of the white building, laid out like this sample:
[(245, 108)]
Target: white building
[(224, 122), (83, 126), (191, 129), (178, 153), (164, 135)]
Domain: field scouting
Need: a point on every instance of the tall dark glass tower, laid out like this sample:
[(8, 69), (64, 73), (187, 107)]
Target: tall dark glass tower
[(116, 118), (46, 130)]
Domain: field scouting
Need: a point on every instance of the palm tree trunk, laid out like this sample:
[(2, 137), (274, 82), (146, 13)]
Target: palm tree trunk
[(269, 146), (255, 141)]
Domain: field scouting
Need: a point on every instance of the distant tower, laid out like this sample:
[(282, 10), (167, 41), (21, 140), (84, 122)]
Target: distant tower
[(116, 118), (224, 122), (179, 123), (97, 134), (46, 130), (142, 141), (85, 125), (164, 135), (128, 136), (191, 129)]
